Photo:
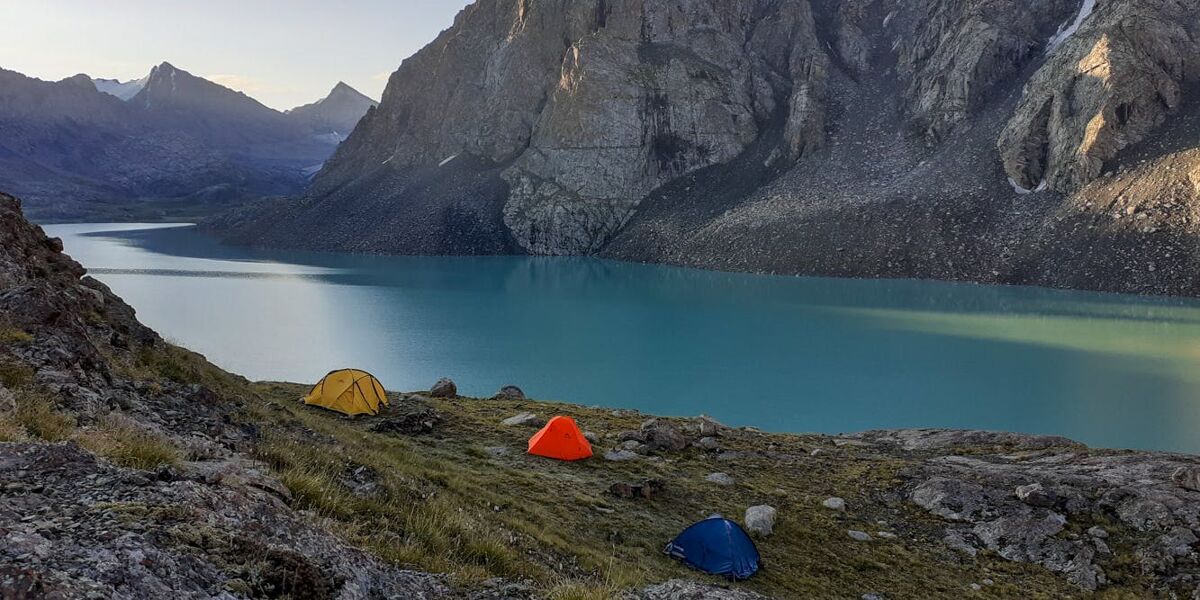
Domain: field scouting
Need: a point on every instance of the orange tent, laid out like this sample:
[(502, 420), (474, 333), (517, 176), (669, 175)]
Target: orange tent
[(561, 439)]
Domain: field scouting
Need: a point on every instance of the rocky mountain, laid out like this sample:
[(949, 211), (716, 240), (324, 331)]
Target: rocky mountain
[(1018, 141), (99, 149), (336, 114), (130, 468)]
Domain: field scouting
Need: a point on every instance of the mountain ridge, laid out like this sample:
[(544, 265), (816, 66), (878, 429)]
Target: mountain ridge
[(177, 145), (891, 140)]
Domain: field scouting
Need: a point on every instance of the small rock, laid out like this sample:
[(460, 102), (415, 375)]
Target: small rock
[(761, 519), (708, 426), (988, 582), (525, 419), (873, 597), (834, 503), (708, 443), (646, 489), (1098, 532), (659, 435), (859, 536), (1036, 495), (497, 450), (621, 455), (720, 479), (631, 444), (510, 392), (976, 587), (413, 423), (591, 437), (1187, 478), (885, 535), (444, 388)]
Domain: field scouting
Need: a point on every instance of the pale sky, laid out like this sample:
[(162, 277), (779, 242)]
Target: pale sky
[(284, 53)]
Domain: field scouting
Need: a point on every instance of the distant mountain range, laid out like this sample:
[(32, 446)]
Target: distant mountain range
[(168, 144), (1047, 142)]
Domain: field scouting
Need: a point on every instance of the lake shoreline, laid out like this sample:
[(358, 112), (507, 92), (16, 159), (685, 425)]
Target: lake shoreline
[(125, 442), (869, 354)]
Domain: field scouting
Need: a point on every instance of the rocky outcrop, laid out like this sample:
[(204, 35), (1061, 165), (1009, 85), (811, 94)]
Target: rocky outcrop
[(74, 526), (1020, 502), (859, 138), (1108, 86)]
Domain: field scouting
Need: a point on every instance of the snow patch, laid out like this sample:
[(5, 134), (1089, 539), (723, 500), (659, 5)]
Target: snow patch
[(1066, 30), (1041, 187), (121, 89), (447, 161)]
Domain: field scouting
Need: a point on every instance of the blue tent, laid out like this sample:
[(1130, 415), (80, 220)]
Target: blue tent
[(717, 546)]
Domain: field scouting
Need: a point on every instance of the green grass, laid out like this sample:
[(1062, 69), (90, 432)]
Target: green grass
[(11, 335), (444, 505), (129, 445), (36, 416), (13, 376)]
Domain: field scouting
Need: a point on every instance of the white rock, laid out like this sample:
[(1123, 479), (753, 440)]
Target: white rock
[(621, 455), (859, 536), (721, 479), (523, 419), (761, 519), (834, 503)]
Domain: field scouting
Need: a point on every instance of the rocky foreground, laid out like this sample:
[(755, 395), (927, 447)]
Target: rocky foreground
[(133, 469)]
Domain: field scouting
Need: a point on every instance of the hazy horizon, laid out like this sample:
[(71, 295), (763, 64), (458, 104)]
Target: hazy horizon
[(282, 53)]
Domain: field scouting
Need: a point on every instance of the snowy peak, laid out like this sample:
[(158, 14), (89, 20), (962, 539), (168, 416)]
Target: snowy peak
[(121, 89)]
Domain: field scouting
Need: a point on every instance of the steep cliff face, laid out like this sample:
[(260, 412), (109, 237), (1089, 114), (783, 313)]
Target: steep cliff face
[(779, 132), (1116, 80)]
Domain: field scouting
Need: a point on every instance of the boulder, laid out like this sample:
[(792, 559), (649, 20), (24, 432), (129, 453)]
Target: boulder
[(708, 443), (1187, 478), (761, 519), (707, 426), (444, 388), (510, 392), (1035, 494), (660, 435), (525, 419), (720, 479)]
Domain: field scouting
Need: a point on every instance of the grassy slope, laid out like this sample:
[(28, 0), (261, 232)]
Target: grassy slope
[(445, 503), (450, 505)]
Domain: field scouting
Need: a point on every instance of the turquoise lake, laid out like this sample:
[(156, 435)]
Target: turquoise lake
[(779, 353)]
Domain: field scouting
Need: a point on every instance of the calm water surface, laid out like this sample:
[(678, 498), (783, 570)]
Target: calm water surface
[(780, 353)]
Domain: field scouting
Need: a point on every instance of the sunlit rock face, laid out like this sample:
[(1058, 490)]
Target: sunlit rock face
[(1113, 82), (861, 137)]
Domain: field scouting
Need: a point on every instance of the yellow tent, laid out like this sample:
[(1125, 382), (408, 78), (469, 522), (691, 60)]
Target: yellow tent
[(349, 391)]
